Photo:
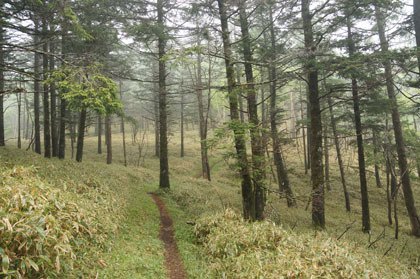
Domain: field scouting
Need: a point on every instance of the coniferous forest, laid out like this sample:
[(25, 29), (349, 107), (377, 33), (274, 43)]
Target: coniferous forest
[(209, 139)]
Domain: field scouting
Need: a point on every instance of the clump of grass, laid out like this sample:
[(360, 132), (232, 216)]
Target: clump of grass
[(52, 218), (237, 249)]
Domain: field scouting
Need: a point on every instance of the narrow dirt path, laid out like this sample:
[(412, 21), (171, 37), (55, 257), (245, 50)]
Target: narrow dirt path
[(173, 261)]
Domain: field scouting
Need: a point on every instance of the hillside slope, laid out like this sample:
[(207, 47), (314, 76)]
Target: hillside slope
[(100, 222)]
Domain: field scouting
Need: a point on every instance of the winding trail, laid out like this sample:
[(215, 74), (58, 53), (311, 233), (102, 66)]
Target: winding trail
[(173, 260)]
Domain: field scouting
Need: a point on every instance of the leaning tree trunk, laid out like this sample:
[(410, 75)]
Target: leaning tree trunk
[(45, 101), (257, 146), (339, 157), (317, 176), (163, 114), (81, 135), (283, 178), (398, 133), (248, 200), (360, 148)]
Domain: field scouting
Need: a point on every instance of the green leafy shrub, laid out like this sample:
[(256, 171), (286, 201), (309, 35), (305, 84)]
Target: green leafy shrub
[(237, 249), (46, 229)]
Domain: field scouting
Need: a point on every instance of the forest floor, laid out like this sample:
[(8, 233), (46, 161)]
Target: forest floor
[(136, 250)]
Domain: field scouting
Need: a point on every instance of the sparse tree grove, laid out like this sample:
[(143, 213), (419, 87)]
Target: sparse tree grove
[(336, 82)]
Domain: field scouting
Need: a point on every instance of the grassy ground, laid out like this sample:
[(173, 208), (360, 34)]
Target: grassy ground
[(199, 197), (137, 250)]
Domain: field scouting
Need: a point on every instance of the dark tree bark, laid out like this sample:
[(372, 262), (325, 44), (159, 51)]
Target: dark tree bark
[(416, 19), (399, 138), (2, 141), (248, 200), (108, 136), (317, 176), (54, 131), (358, 124), (37, 90), (100, 134), (308, 127), (163, 115), (45, 100), (62, 140), (257, 146), (283, 179), (81, 134)]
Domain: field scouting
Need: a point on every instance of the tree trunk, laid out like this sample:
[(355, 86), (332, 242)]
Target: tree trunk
[(205, 168), (100, 134), (27, 116), (283, 179), (37, 90), (19, 97), (317, 176), (46, 102), (416, 18), (308, 127), (157, 133), (241, 102), (182, 125), (399, 138), (303, 137), (73, 120), (327, 158), (81, 134), (54, 134), (123, 129), (388, 194), (2, 67), (62, 139), (257, 146), (339, 158), (375, 155), (360, 148), (108, 136), (248, 200), (163, 150)]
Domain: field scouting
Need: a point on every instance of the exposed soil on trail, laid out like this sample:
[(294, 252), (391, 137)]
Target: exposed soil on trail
[(173, 261)]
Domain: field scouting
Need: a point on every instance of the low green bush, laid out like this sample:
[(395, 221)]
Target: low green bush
[(46, 230), (237, 249)]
